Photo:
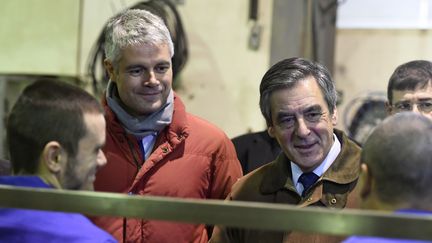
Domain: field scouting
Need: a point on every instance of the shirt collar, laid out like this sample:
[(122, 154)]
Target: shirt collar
[(147, 144), (319, 171), (345, 169)]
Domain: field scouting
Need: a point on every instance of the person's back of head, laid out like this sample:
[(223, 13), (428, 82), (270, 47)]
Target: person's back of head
[(397, 163), (47, 111)]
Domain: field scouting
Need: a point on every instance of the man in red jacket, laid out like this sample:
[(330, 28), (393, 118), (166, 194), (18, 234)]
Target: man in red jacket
[(154, 147)]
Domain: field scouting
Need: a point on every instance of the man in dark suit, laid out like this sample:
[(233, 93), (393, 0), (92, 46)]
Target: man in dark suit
[(255, 149)]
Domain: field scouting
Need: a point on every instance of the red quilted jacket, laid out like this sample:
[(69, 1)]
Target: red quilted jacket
[(191, 159)]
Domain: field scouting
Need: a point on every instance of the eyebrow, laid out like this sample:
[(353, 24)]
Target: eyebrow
[(409, 101), (312, 108), (133, 66), (316, 107), (164, 63), (425, 99), (161, 62)]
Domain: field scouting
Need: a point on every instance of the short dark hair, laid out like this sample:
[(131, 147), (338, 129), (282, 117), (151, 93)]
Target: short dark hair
[(287, 73), (410, 76), (398, 154), (47, 110)]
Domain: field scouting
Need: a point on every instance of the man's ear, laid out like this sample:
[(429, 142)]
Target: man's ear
[(389, 108), (110, 69), (52, 156), (366, 181), (334, 117), (270, 131)]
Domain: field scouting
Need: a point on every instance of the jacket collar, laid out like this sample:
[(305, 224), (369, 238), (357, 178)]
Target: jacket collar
[(175, 132), (345, 168)]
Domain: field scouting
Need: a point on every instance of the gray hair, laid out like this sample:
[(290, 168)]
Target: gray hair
[(287, 73), (134, 27), (398, 154)]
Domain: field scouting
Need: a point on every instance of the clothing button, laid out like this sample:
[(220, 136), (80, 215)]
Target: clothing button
[(333, 201)]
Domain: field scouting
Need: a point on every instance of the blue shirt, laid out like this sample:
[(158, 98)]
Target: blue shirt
[(369, 239), (25, 225)]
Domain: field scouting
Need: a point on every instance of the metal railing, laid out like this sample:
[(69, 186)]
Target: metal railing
[(251, 215)]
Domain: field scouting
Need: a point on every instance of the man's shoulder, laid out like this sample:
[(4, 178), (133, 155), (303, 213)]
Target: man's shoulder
[(349, 147), (248, 187), (34, 226), (202, 127), (344, 139)]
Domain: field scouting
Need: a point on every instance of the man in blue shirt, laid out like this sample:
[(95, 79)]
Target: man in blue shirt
[(55, 133), (396, 169)]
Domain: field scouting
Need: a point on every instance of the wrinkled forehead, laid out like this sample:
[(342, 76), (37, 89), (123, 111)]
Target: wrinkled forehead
[(302, 95)]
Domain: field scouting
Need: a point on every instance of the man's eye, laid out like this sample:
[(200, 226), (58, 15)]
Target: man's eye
[(287, 120), (135, 72), (313, 116), (161, 69), (425, 106), (403, 106)]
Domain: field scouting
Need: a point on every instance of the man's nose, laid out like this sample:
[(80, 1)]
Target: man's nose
[(151, 79), (302, 129), (416, 109)]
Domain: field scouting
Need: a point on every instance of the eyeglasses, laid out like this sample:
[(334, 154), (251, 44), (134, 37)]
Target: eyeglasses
[(422, 106), (310, 117)]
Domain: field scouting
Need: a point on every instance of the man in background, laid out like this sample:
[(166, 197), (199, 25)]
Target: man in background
[(410, 88), (396, 169), (154, 147), (255, 150), (319, 165), (55, 134)]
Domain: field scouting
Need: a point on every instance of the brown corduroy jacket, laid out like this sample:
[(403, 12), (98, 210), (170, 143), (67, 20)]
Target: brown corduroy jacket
[(272, 183)]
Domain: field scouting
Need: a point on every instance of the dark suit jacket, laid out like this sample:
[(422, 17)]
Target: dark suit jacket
[(255, 149)]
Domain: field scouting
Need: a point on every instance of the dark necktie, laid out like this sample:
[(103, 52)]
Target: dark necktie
[(307, 180)]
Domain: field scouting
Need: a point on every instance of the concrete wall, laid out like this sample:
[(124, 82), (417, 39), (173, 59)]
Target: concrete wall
[(39, 37)]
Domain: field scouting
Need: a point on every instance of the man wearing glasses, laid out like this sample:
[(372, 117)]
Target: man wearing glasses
[(410, 88), (319, 165)]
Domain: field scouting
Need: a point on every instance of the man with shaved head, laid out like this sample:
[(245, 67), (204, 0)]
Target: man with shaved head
[(396, 169)]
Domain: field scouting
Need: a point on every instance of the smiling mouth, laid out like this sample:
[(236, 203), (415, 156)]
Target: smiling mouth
[(150, 93), (305, 148)]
